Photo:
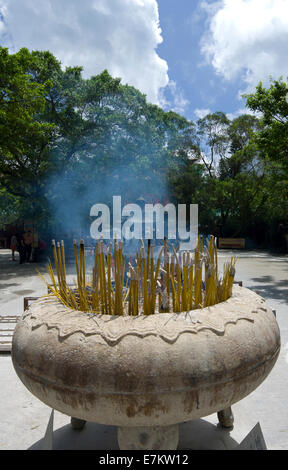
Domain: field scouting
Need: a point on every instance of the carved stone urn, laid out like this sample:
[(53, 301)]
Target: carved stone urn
[(146, 374)]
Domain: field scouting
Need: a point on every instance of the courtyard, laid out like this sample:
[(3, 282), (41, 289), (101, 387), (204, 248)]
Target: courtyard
[(24, 418)]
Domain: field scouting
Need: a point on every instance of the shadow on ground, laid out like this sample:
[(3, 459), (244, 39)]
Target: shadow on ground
[(269, 288), (12, 269), (193, 435)]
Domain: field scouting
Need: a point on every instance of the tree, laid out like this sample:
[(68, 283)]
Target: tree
[(232, 190), (271, 103), (81, 141), (9, 208), (212, 131), (23, 137)]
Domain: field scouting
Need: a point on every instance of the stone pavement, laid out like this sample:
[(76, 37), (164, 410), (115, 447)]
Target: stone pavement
[(23, 418)]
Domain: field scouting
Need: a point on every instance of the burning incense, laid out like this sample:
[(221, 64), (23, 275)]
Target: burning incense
[(174, 282)]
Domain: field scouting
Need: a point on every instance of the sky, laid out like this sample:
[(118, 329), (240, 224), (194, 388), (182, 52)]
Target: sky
[(191, 56)]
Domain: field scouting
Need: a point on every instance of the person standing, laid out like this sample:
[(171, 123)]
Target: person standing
[(28, 239), (13, 246), (22, 250)]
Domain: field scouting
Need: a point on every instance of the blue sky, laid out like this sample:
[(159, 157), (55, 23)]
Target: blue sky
[(253, 32), (197, 83), (192, 56)]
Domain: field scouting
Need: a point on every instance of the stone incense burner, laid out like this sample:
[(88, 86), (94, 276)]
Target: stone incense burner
[(146, 374)]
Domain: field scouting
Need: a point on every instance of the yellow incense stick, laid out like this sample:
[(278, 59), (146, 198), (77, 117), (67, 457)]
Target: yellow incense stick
[(175, 282)]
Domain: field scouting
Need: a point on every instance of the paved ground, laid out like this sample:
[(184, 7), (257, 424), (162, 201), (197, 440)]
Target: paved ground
[(23, 418)]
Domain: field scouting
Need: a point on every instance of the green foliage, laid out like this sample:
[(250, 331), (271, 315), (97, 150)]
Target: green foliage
[(67, 134), (9, 208), (271, 103), (68, 142), (24, 137), (212, 131)]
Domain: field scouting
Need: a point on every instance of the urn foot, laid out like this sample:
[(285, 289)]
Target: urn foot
[(77, 423), (148, 438), (226, 418)]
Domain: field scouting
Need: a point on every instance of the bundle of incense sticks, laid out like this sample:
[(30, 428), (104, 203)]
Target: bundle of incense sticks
[(173, 282)]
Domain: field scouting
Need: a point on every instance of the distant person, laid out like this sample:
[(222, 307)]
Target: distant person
[(35, 247), (13, 246), (42, 245), (28, 240), (22, 250), (40, 250), (280, 239)]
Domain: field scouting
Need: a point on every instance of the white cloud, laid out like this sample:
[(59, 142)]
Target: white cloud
[(242, 111), (201, 113), (247, 39), (172, 97), (118, 35)]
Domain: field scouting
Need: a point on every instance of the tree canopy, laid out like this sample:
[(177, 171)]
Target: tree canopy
[(64, 137), (67, 142), (272, 105)]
